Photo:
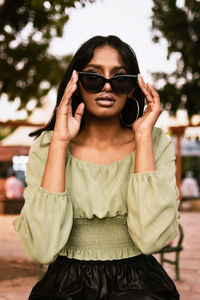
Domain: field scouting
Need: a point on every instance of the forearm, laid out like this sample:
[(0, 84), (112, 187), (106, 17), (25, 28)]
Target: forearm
[(54, 174), (144, 158)]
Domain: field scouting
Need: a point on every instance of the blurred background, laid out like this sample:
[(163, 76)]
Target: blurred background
[(37, 41)]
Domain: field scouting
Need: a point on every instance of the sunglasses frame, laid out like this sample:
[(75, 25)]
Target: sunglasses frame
[(105, 80)]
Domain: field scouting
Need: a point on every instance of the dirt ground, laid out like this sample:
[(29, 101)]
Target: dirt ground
[(17, 279), (12, 270)]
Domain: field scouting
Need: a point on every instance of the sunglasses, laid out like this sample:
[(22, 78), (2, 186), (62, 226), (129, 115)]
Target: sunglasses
[(121, 84)]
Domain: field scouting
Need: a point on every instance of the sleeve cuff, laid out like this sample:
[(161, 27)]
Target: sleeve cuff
[(142, 174), (65, 193)]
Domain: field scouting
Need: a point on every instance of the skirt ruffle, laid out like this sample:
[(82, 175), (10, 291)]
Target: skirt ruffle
[(137, 278)]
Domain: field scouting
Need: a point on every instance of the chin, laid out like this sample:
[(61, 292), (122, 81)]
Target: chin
[(103, 113)]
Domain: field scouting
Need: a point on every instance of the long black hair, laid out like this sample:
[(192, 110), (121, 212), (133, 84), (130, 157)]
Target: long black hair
[(81, 58)]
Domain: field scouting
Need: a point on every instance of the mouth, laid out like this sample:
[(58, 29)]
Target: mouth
[(105, 100)]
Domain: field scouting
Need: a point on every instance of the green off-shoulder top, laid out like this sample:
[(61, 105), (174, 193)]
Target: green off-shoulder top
[(107, 212)]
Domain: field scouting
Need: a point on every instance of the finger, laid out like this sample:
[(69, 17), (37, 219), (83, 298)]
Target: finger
[(156, 98), (157, 105), (67, 96), (146, 86), (79, 111), (144, 89), (149, 108), (72, 82), (66, 99), (74, 77), (70, 92), (153, 91)]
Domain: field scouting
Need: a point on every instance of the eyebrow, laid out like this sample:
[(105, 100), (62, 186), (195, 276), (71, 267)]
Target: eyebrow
[(117, 68)]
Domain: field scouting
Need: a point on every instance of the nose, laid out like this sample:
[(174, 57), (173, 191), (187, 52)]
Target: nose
[(107, 87)]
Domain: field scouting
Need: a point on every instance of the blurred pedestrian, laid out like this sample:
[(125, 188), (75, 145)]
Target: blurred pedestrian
[(101, 193), (13, 187), (189, 186)]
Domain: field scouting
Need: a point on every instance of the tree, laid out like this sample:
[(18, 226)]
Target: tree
[(179, 25), (28, 70)]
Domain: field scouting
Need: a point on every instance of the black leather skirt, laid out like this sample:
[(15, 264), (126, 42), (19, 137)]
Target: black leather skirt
[(137, 278)]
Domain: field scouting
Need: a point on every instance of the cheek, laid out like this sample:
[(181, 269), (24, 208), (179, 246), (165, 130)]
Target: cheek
[(121, 103), (86, 97)]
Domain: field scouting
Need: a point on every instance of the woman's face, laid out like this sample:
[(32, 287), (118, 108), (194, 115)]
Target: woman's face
[(107, 62)]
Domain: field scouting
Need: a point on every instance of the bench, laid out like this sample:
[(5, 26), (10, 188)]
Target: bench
[(177, 248)]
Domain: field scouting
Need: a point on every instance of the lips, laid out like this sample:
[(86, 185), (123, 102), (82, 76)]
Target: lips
[(105, 100)]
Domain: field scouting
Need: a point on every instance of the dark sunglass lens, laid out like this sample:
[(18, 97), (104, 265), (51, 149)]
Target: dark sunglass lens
[(91, 82), (123, 84)]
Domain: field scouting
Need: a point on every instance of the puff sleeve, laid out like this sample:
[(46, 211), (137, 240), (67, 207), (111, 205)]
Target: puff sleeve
[(152, 200), (45, 221)]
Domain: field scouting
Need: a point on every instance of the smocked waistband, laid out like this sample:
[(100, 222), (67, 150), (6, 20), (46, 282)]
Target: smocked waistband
[(100, 239)]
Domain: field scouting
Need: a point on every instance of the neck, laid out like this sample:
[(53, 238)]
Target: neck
[(101, 130)]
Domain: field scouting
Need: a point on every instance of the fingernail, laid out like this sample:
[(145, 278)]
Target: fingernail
[(142, 79)]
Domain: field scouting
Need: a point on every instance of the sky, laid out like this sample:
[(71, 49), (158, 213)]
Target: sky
[(128, 19)]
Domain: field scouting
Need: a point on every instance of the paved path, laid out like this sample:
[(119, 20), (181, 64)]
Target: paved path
[(18, 273), (189, 285)]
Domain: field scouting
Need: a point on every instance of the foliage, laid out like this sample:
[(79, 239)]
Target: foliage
[(28, 70), (180, 27), (5, 131)]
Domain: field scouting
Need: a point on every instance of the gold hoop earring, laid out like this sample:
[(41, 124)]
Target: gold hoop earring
[(127, 111)]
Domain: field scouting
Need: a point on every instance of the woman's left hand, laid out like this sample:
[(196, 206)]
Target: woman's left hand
[(145, 124)]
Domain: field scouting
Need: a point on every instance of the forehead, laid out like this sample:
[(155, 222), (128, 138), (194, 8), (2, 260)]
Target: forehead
[(106, 55)]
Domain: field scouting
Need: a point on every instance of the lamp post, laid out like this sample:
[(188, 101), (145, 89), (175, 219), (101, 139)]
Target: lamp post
[(178, 131)]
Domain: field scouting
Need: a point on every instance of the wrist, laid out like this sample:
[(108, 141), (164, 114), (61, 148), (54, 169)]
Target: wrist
[(59, 143), (147, 134), (144, 140)]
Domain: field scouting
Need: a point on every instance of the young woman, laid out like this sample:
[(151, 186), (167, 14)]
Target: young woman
[(101, 194)]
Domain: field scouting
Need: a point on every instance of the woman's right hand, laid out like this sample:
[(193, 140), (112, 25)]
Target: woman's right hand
[(67, 126)]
